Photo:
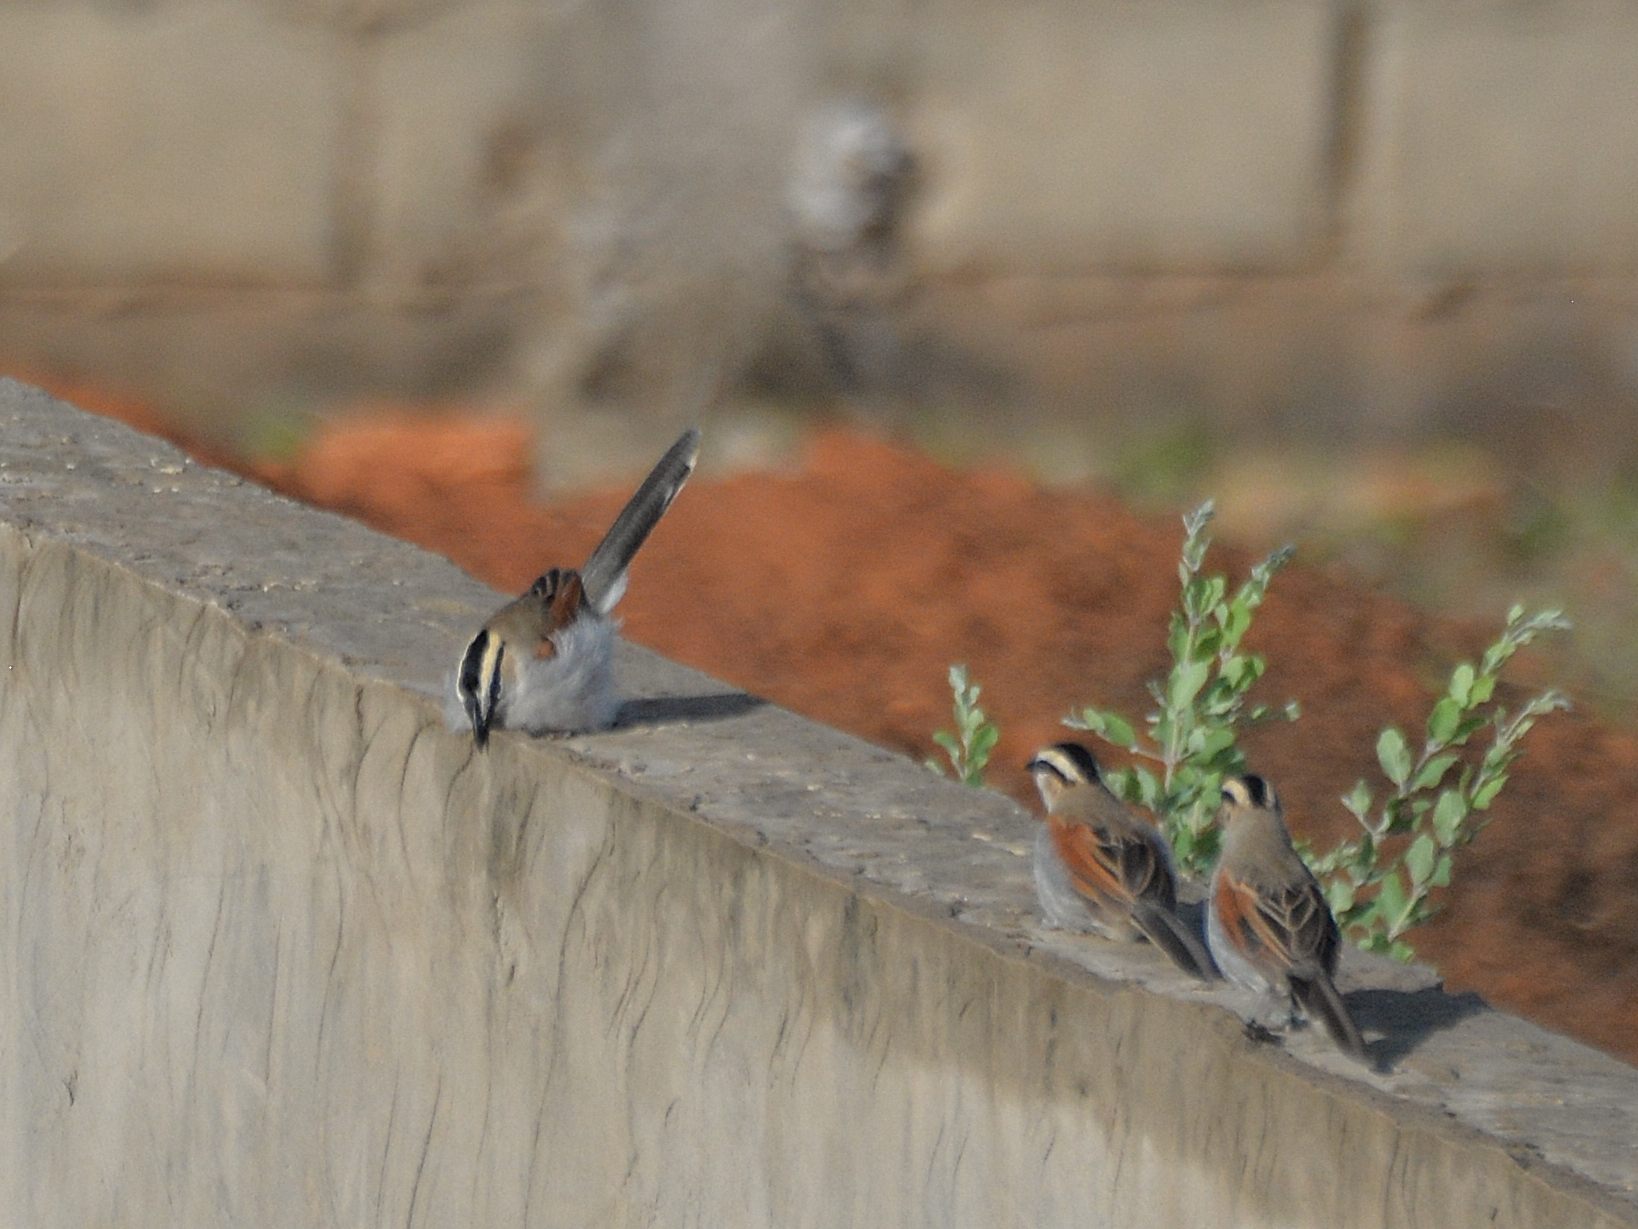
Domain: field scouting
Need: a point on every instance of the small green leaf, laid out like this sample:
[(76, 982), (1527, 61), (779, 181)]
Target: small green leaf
[(1401, 951), (1419, 859), (1339, 894), (1214, 594), (1201, 595), (1441, 872), (1177, 638), (1443, 720), (1187, 680), (1207, 741), (1486, 793), (1448, 816), (1393, 755), (1194, 593), (948, 741), (1355, 914), (1118, 730), (1148, 788), (1391, 900), (984, 742), (1358, 801), (1434, 771), (1483, 688), (1461, 684)]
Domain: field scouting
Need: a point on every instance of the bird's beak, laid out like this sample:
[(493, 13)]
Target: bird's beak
[(480, 724)]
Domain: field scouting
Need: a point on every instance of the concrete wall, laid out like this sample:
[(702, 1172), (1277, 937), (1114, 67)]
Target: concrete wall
[(278, 949), (1395, 211)]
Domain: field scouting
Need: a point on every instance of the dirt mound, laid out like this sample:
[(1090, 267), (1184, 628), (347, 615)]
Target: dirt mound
[(844, 587)]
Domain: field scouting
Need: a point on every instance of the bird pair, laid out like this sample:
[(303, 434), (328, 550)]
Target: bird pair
[(1099, 867)]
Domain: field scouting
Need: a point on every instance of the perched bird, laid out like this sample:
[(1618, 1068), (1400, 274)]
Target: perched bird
[(1100, 867), (545, 662), (1267, 922)]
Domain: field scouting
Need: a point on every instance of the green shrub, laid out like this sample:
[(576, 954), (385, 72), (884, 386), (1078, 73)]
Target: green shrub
[(1192, 735), (1381, 884), (969, 747)]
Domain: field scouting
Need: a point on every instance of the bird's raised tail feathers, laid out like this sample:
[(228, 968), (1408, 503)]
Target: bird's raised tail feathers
[(604, 575)]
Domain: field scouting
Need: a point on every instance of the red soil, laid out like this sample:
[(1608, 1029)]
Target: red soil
[(844, 587)]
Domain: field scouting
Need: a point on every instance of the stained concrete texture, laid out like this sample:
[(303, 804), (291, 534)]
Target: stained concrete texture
[(279, 949)]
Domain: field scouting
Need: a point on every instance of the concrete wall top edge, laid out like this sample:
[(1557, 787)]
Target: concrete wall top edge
[(392, 614)]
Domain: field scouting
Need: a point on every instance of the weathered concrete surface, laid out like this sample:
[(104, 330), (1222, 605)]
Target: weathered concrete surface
[(277, 949)]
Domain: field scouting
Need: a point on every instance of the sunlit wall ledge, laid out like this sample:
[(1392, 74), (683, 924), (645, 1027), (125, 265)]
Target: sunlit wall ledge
[(279, 949)]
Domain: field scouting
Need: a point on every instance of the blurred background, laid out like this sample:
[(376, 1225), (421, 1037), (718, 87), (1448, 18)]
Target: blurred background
[(1366, 271)]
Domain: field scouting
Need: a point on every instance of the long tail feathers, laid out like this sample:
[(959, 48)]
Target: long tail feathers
[(1318, 997), (605, 572), (1171, 935)]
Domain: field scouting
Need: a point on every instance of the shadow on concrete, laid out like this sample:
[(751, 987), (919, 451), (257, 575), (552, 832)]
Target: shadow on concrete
[(1408, 1017), (681, 710)]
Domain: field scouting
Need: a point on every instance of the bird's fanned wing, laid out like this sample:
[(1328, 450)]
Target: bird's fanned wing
[(1120, 866), (1241, 911), (1284, 928)]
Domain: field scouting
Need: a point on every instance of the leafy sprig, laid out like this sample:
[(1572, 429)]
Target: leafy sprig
[(968, 748), (1201, 705), (1381, 884)]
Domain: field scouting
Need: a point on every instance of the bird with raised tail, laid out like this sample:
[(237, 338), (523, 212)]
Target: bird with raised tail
[(544, 662), (1100, 868), (1267, 922)]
